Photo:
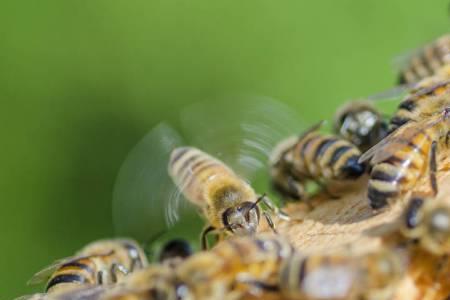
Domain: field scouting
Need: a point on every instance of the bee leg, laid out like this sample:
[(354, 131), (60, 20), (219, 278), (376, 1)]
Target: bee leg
[(274, 209), (115, 268), (203, 237), (100, 277), (433, 168), (269, 221)]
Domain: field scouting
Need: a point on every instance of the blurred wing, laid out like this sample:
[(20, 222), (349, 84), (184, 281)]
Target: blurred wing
[(39, 296), (396, 93), (83, 293), (44, 274), (143, 186), (240, 130), (375, 153)]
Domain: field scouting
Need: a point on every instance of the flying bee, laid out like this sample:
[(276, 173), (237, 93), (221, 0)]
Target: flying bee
[(313, 156), (427, 61), (229, 203), (236, 266), (405, 156), (338, 277), (421, 103), (100, 262), (360, 123), (242, 141)]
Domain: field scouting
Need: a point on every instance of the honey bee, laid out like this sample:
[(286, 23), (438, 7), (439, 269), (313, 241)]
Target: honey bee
[(313, 156), (336, 277), (403, 157), (427, 61), (229, 203), (242, 141), (421, 103), (428, 221), (236, 266), (100, 262), (360, 123)]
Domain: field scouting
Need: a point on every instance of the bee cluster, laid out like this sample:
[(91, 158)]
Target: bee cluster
[(377, 228)]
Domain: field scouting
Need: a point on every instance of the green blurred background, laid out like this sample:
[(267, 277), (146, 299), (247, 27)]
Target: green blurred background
[(82, 81)]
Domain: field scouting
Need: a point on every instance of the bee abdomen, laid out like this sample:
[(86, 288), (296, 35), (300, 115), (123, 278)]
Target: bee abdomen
[(75, 272), (383, 185), (338, 159)]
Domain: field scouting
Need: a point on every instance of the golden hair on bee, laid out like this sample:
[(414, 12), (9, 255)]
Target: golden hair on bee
[(313, 156), (228, 202), (427, 61), (428, 221), (341, 277), (238, 264), (403, 157), (360, 123), (100, 262), (422, 103)]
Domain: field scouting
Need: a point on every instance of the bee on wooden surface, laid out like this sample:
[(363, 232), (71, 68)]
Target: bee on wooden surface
[(313, 156), (360, 123), (422, 103), (405, 156), (427, 61), (335, 277), (100, 262), (428, 221), (236, 266), (229, 203)]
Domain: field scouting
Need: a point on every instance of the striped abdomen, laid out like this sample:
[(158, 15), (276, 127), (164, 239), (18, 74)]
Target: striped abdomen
[(399, 171), (198, 174), (319, 156), (424, 101), (260, 257), (73, 274), (427, 62), (316, 277)]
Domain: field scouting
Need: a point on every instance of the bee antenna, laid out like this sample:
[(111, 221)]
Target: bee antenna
[(260, 198)]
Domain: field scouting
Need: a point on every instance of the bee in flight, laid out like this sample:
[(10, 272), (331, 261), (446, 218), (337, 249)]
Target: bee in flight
[(228, 202), (98, 263), (313, 156), (341, 277), (360, 123), (427, 62), (405, 156)]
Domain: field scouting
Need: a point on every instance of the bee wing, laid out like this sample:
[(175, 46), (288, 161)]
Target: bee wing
[(143, 188), (39, 296), (83, 293), (377, 153), (44, 274), (241, 130)]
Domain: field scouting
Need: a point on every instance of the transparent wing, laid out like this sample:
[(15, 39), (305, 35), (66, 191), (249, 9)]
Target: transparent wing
[(83, 293), (39, 296), (44, 274), (143, 188), (240, 130)]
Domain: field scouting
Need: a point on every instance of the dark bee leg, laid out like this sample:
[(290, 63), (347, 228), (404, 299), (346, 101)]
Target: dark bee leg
[(270, 222), (433, 168), (203, 236), (115, 268), (273, 208), (100, 276)]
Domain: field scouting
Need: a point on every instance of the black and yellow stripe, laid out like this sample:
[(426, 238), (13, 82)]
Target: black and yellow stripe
[(328, 157), (427, 62), (400, 170), (72, 274), (421, 102)]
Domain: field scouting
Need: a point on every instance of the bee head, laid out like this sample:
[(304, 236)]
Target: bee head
[(437, 226), (242, 219)]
